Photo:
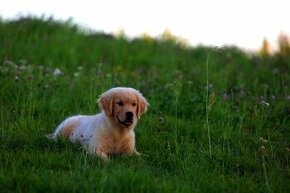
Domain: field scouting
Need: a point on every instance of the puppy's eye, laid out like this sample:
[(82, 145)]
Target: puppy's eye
[(120, 103), (134, 104)]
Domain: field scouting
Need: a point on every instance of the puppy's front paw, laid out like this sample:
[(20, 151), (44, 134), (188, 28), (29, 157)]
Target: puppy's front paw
[(103, 156)]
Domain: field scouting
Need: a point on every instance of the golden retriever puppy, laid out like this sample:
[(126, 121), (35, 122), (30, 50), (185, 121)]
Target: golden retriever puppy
[(112, 130)]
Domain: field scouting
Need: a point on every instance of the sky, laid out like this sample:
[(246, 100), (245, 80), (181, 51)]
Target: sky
[(244, 23)]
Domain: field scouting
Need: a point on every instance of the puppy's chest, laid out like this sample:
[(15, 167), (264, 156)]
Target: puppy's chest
[(117, 144)]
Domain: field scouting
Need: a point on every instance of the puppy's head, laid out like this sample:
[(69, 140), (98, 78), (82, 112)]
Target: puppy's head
[(124, 106)]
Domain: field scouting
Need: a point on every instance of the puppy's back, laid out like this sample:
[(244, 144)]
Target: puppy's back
[(65, 128)]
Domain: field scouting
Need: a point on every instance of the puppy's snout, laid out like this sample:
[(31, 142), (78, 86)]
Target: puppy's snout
[(129, 115)]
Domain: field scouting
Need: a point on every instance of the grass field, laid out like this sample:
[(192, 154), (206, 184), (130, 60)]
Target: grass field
[(218, 121)]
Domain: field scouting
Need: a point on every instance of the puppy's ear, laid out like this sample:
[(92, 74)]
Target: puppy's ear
[(105, 102), (142, 105)]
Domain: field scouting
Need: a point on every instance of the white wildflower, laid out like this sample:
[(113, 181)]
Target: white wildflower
[(263, 103), (261, 139), (22, 67), (57, 72), (23, 61), (262, 148)]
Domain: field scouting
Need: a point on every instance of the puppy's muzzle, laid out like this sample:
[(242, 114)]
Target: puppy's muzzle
[(128, 119)]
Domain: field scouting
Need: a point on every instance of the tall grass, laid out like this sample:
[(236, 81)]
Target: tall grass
[(198, 138), (207, 105)]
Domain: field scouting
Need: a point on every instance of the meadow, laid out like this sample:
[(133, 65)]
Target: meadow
[(218, 121)]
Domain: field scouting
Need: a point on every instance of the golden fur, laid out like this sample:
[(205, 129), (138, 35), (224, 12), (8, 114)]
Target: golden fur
[(112, 130)]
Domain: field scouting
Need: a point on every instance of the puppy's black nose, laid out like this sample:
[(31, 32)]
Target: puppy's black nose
[(129, 115)]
